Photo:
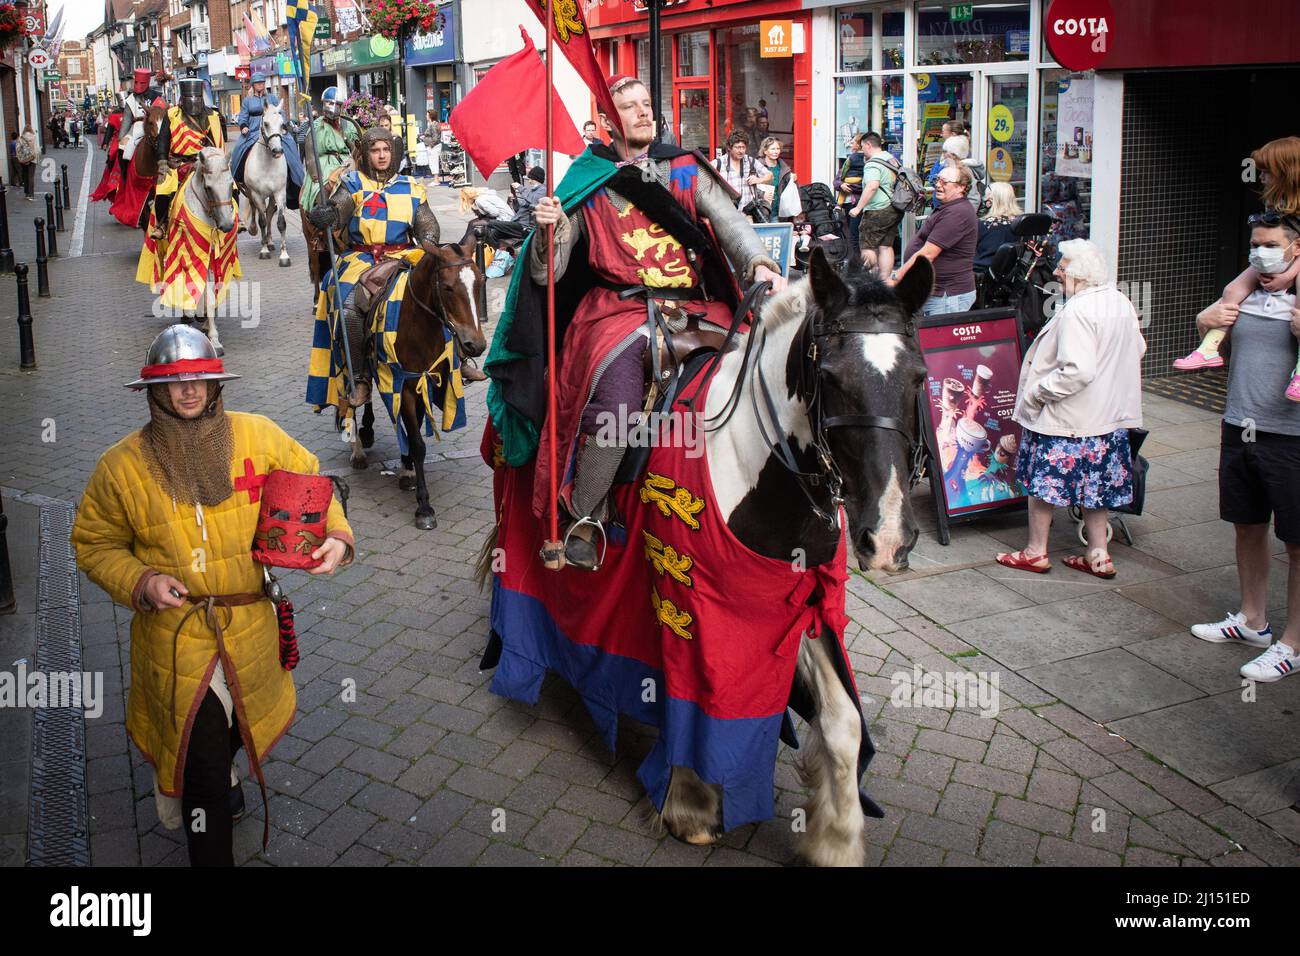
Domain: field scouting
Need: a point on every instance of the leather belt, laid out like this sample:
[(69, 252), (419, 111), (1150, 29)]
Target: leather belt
[(381, 250), (671, 293)]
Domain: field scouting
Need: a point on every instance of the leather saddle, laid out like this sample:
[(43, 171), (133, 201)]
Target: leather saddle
[(677, 345), (373, 285)]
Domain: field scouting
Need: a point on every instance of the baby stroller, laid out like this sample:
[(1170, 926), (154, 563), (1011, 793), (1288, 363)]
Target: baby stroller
[(821, 224)]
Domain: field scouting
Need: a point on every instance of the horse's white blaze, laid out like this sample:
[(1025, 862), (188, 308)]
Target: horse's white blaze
[(888, 536), (881, 350), (740, 442), (467, 279)]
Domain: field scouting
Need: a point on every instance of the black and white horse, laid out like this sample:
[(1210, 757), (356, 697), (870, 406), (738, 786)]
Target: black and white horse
[(840, 367)]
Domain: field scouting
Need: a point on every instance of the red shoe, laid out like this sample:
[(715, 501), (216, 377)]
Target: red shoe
[(1020, 561), (1102, 569)]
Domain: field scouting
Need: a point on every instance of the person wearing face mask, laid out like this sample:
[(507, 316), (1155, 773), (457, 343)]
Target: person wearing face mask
[(1259, 453), (1080, 392), (1277, 166)]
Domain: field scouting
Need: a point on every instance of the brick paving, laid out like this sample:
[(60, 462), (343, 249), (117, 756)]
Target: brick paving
[(426, 767)]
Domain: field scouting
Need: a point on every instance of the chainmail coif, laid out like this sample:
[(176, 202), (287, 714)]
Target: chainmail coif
[(368, 139), (189, 458)]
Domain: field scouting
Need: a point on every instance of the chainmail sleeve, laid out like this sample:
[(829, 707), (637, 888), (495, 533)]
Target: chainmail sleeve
[(425, 227), (567, 233), (735, 232), (344, 208)]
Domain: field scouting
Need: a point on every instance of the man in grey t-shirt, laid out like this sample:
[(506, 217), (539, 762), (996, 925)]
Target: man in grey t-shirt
[(1259, 457)]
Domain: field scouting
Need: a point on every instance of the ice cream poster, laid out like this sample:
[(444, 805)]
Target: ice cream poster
[(973, 370)]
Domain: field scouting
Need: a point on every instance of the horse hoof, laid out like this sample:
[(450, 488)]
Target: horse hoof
[(263, 255), (367, 436), (703, 838), (406, 483), (285, 263), (425, 522), (358, 464)]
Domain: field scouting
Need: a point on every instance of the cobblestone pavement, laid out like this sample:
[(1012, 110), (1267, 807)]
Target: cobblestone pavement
[(428, 767)]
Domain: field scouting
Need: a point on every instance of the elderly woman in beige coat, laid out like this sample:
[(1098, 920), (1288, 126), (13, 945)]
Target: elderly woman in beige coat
[(1080, 392)]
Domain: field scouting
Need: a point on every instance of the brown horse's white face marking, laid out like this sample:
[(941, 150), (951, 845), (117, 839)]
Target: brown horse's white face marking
[(456, 292)]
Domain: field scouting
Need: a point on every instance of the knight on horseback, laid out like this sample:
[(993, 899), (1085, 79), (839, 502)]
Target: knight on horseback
[(250, 127), (185, 130), (135, 105), (387, 220), (633, 256), (335, 136)]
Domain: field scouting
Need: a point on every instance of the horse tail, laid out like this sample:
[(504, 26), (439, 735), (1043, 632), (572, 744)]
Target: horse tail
[(486, 555)]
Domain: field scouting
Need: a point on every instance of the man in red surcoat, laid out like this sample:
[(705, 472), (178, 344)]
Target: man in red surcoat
[(652, 235)]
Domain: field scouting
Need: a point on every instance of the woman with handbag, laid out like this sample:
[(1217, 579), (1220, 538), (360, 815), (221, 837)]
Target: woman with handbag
[(167, 527), (1080, 392)]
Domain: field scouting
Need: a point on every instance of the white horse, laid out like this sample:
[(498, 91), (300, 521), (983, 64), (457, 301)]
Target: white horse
[(266, 177), (209, 197)]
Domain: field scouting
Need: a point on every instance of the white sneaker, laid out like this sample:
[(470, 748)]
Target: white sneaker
[(1274, 664), (1233, 630)]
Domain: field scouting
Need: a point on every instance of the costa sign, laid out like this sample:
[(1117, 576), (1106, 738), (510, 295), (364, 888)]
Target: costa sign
[(1078, 32)]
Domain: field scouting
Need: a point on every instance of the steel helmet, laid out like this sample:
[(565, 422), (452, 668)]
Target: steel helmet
[(194, 100), (180, 353), (331, 101)]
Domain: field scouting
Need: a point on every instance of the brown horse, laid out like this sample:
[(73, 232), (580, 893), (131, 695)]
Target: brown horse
[(146, 163), (441, 300)]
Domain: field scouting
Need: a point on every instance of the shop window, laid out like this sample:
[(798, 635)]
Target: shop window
[(855, 40), (755, 95), (941, 98), (693, 53), (1007, 124), (852, 110), (891, 38), (1065, 151), (665, 73), (995, 33)]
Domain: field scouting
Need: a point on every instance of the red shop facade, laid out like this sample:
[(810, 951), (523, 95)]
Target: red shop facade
[(714, 75)]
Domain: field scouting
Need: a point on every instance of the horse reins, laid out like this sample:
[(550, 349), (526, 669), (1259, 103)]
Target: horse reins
[(814, 330)]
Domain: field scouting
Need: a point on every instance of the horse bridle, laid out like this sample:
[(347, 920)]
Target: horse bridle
[(441, 312), (266, 140), (815, 330)]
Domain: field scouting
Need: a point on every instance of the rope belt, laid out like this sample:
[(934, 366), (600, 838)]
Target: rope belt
[(209, 604)]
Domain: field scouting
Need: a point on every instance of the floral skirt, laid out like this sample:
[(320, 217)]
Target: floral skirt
[(1095, 472)]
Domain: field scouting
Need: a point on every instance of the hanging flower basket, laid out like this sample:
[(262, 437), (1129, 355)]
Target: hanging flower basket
[(365, 109), (13, 25), (391, 17)]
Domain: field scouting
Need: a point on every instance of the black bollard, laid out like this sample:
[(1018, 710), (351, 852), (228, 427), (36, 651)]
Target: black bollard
[(51, 239), (42, 263), (26, 345), (67, 195), (58, 208), (6, 254)]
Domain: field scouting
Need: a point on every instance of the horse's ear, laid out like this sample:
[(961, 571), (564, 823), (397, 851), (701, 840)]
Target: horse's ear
[(467, 244), (829, 291), (429, 247), (914, 288)]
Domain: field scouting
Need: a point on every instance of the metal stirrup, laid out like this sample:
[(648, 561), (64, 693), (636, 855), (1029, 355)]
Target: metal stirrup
[(604, 541)]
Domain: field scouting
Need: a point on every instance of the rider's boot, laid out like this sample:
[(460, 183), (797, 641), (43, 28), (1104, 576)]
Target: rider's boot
[(596, 468), (161, 208)]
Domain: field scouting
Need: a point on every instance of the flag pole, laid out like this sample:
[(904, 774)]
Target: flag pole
[(552, 548), (295, 45)]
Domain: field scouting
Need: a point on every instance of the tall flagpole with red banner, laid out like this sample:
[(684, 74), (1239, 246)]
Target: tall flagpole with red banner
[(552, 548)]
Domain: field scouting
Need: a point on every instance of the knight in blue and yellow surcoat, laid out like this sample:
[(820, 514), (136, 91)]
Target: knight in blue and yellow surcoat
[(385, 219)]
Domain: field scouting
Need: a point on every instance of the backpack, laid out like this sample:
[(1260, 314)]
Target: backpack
[(23, 151), (908, 191)]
